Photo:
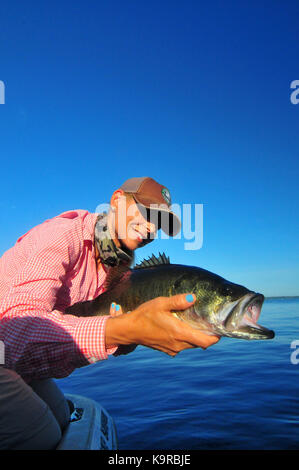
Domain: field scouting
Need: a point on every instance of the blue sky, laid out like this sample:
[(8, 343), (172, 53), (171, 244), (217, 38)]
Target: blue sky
[(195, 94)]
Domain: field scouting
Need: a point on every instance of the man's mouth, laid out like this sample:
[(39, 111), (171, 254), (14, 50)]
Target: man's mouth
[(142, 236), (139, 235)]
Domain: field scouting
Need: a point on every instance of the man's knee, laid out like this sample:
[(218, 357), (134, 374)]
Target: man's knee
[(26, 420), (50, 393)]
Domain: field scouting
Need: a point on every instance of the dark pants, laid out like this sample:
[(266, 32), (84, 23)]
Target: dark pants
[(31, 417)]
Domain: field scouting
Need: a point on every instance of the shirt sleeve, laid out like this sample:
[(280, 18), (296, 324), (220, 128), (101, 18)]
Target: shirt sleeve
[(39, 341)]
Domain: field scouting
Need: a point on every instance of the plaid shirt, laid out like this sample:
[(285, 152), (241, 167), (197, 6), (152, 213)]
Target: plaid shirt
[(50, 268)]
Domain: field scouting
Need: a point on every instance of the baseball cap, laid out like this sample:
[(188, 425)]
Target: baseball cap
[(154, 196)]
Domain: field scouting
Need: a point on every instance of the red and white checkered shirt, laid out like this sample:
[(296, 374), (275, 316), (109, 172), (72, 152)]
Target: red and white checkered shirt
[(50, 268)]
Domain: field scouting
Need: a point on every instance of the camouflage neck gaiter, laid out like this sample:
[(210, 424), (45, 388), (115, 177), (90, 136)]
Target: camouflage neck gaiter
[(109, 253)]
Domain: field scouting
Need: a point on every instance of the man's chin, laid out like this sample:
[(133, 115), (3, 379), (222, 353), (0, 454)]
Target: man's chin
[(145, 242), (130, 244)]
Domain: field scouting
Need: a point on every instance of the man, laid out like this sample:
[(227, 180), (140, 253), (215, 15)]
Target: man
[(56, 264)]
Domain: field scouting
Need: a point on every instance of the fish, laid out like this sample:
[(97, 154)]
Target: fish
[(221, 308)]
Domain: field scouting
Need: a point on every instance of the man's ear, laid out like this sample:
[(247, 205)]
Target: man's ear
[(115, 197)]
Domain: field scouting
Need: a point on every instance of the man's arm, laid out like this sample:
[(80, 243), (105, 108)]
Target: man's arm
[(41, 341), (153, 325)]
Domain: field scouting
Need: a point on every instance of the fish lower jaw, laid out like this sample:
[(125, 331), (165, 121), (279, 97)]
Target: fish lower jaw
[(250, 331)]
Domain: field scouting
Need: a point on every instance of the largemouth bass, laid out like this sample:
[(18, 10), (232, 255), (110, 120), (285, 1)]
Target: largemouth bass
[(222, 307)]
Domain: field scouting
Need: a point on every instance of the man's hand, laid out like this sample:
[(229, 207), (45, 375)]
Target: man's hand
[(152, 324)]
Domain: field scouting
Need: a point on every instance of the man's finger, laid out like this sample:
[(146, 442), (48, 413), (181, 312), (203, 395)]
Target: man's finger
[(115, 310), (197, 337)]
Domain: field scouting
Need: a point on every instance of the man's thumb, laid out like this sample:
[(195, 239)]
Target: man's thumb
[(181, 301)]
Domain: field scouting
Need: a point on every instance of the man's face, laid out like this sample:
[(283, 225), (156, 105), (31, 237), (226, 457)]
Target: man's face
[(134, 227)]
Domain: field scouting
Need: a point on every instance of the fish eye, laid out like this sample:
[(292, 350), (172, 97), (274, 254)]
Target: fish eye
[(226, 290)]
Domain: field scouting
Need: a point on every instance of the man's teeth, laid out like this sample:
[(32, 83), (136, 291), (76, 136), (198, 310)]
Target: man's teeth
[(139, 236)]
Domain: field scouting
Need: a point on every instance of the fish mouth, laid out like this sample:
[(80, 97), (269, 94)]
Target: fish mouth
[(243, 319), (252, 310)]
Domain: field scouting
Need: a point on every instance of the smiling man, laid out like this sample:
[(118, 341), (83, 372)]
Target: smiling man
[(60, 262)]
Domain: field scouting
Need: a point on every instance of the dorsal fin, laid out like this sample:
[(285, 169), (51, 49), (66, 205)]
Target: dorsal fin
[(153, 261)]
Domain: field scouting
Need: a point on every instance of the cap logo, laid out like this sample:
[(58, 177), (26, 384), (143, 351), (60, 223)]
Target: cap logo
[(166, 195)]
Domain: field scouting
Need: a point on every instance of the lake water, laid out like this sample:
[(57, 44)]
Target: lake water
[(235, 395)]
